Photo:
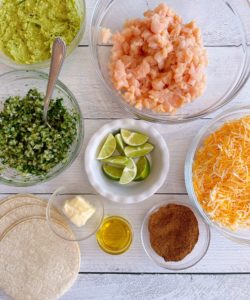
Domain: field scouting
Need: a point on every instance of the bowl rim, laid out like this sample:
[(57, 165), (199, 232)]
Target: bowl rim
[(48, 217), (111, 126), (80, 125), (144, 224), (43, 64), (130, 242), (161, 118), (188, 171)]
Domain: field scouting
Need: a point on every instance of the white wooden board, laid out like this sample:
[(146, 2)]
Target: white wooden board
[(158, 287), (218, 37), (177, 138), (96, 103), (223, 256)]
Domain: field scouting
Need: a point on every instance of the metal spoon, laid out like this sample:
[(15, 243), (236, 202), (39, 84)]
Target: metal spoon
[(57, 59)]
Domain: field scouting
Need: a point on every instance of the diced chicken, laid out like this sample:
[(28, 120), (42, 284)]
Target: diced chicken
[(158, 63), (120, 75), (105, 35)]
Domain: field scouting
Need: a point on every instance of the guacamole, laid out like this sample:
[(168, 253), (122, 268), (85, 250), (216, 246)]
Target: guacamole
[(28, 27)]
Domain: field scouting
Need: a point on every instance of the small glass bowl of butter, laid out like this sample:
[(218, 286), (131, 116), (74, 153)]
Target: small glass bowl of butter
[(81, 215)]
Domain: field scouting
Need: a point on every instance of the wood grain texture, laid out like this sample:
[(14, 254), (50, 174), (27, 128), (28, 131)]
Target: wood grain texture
[(158, 287), (223, 34), (177, 138), (95, 101), (223, 256)]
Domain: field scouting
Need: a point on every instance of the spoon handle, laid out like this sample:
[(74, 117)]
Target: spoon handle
[(57, 59)]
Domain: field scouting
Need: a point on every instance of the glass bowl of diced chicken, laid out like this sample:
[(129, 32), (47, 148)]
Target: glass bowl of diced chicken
[(170, 61)]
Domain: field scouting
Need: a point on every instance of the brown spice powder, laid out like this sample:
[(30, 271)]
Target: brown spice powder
[(174, 231)]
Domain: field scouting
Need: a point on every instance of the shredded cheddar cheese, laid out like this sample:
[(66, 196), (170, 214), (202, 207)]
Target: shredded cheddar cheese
[(221, 174)]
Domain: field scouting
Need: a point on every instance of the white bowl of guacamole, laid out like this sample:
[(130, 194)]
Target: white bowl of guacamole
[(29, 27)]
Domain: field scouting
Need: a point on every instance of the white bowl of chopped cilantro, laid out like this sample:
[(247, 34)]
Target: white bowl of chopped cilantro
[(131, 185), (30, 151)]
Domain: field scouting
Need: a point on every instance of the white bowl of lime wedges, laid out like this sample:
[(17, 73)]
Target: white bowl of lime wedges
[(127, 161)]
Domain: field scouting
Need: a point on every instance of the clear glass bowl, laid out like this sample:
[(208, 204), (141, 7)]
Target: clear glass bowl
[(18, 83), (107, 238), (56, 202), (70, 48), (224, 37), (199, 251), (242, 235)]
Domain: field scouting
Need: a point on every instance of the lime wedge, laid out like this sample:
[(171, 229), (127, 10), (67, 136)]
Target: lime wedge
[(108, 147), (143, 169), (119, 143), (116, 161), (112, 172), (129, 172), (139, 150), (133, 138)]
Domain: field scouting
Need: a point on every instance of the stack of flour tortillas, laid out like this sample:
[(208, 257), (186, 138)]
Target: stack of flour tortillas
[(34, 263)]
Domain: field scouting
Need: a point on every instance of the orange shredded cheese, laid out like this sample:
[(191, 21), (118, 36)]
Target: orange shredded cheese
[(221, 174)]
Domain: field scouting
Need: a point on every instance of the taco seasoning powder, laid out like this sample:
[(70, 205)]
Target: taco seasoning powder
[(174, 231)]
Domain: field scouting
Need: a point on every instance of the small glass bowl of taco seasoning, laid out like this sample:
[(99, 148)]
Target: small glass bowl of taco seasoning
[(174, 236), (115, 235), (81, 214)]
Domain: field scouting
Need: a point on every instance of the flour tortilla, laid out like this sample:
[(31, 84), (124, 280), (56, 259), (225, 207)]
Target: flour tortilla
[(18, 200), (35, 264), (25, 211)]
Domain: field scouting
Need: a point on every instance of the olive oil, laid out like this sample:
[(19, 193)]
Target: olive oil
[(115, 235)]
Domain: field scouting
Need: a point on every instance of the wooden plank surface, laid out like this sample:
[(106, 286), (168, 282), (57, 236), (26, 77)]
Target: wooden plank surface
[(158, 287), (223, 35), (178, 140), (224, 256), (79, 75)]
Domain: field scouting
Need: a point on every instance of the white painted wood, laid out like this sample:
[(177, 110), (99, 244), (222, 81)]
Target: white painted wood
[(177, 138), (95, 101), (158, 287), (223, 255), (213, 35)]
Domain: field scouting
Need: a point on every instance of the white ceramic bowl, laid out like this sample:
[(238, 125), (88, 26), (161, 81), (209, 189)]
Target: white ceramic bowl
[(134, 192)]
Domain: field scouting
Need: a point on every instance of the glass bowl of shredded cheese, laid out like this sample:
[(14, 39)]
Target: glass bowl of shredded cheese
[(217, 173)]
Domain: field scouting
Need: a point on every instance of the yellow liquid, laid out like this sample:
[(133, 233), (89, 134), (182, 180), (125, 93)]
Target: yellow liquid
[(115, 235)]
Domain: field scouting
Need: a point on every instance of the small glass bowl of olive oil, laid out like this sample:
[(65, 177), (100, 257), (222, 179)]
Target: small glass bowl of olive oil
[(115, 235)]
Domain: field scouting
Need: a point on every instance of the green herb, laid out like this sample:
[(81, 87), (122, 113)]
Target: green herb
[(27, 144)]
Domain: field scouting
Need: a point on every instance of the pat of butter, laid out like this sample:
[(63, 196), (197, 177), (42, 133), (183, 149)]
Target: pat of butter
[(78, 210)]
